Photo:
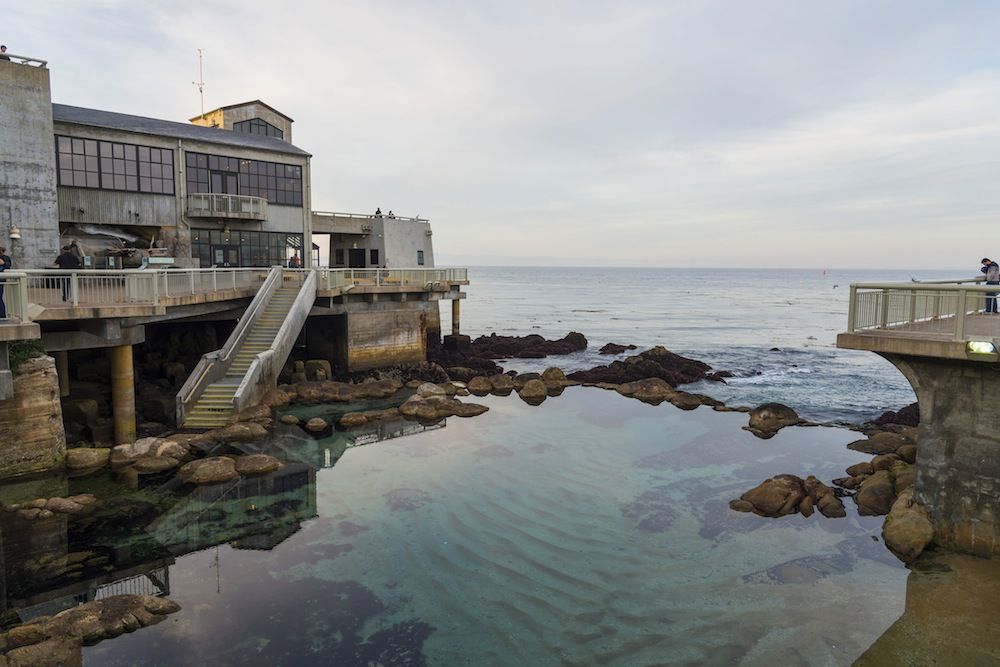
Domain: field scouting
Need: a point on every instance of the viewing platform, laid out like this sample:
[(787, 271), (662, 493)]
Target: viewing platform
[(939, 337)]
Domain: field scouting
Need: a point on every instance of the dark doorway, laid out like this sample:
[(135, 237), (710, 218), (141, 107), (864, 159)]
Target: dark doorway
[(224, 183), (356, 258), (225, 255)]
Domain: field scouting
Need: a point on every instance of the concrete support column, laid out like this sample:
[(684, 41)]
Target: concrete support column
[(958, 457), (456, 328), (123, 393), (62, 371)]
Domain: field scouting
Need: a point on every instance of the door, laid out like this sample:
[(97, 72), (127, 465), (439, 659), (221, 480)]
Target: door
[(226, 255), (356, 258), (224, 183)]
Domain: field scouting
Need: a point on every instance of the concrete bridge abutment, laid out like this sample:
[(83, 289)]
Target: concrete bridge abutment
[(958, 459)]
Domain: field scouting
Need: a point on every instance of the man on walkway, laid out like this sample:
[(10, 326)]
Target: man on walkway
[(6, 264), (992, 272), (67, 261)]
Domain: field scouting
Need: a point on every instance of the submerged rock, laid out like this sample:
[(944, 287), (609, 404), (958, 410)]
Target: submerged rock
[(767, 419), (316, 425), (250, 465), (213, 470)]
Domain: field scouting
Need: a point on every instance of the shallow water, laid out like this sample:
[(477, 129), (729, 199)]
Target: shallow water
[(729, 318), (593, 529)]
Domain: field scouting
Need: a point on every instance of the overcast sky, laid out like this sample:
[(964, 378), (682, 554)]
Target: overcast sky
[(689, 133)]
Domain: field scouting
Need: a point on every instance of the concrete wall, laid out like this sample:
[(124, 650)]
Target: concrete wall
[(27, 165), (384, 337), (32, 438), (397, 242), (958, 463)]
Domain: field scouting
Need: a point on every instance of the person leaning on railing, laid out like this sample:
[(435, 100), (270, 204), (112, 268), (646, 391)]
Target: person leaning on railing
[(67, 261)]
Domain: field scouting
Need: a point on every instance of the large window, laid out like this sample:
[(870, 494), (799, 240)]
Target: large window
[(110, 165), (258, 126), (276, 182), (243, 248)]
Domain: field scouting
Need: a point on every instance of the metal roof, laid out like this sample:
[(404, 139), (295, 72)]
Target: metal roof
[(63, 113), (246, 104)]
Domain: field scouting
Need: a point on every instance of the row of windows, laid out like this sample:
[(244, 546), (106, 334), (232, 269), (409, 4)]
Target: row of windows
[(338, 257), (110, 165), (276, 182), (258, 126), (243, 248)]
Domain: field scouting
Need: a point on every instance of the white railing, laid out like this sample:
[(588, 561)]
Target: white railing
[(366, 216), (217, 205), (418, 278), (880, 306), (15, 294), (97, 288), (26, 60)]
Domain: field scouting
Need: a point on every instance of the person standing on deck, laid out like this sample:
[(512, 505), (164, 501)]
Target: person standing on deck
[(67, 261), (6, 264), (3, 52), (992, 272)]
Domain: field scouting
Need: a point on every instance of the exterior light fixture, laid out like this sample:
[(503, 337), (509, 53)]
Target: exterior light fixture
[(15, 232), (981, 350)]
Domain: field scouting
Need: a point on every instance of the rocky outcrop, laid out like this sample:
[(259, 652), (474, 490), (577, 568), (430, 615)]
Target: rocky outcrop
[(212, 470), (908, 416), (907, 530), (31, 424), (782, 495), (766, 420), (532, 346), (615, 348), (435, 408), (342, 392), (56, 641), (655, 363)]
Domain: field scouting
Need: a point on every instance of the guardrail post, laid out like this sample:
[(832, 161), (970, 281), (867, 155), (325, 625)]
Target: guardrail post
[(960, 315), (74, 288), (913, 306), (156, 289), (884, 314), (215, 286), (191, 275), (852, 310)]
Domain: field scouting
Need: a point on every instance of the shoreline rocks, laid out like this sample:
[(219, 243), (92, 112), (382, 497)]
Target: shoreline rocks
[(657, 362), (786, 494)]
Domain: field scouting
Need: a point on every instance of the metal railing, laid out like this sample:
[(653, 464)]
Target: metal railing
[(419, 278), (215, 205), (15, 294), (910, 306), (366, 216), (105, 287), (26, 60)]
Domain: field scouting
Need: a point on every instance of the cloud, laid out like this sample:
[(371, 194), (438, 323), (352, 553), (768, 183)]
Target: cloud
[(670, 133)]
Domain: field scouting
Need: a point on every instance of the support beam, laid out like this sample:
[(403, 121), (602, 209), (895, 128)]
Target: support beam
[(123, 393), (456, 328), (62, 371)]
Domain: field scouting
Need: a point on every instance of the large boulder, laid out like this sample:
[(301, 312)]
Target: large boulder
[(155, 464), (428, 389), (649, 390), (823, 498), (876, 494), (615, 348), (316, 425), (778, 496), (766, 420), (318, 369), (534, 392), (907, 529), (250, 465), (87, 458), (883, 442), (501, 384), (479, 385), (908, 416), (213, 470), (241, 432), (435, 408)]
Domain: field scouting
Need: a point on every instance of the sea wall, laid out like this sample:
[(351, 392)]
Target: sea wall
[(32, 438), (384, 338)]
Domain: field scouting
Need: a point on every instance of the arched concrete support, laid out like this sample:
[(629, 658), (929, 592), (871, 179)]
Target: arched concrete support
[(958, 462), (123, 393)]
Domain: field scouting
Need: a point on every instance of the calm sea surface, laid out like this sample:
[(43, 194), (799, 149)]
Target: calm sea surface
[(729, 318)]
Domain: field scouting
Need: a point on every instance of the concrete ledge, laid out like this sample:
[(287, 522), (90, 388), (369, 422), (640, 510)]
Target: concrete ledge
[(19, 331), (888, 343)]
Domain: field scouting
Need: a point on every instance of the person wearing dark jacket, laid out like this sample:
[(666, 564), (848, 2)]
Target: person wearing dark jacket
[(991, 270), (6, 264), (67, 261)]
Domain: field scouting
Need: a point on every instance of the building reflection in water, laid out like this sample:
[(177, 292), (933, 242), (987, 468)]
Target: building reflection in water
[(128, 544)]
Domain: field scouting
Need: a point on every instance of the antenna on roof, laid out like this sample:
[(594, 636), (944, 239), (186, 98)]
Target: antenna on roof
[(200, 83)]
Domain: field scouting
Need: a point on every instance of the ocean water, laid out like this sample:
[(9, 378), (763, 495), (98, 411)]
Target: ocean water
[(590, 530), (730, 318)]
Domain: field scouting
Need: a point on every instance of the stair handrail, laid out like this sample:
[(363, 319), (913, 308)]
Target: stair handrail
[(266, 366), (213, 365)]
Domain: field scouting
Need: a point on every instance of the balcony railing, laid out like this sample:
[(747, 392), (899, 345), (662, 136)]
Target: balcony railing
[(367, 216), (942, 309), (214, 205), (25, 60)]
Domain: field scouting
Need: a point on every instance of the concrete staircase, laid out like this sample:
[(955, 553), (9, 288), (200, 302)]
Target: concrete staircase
[(215, 406)]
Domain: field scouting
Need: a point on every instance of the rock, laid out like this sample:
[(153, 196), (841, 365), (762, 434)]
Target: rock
[(318, 369), (908, 453), (352, 420), (435, 408), (83, 458), (155, 464), (461, 373), (850, 482), (875, 494), (523, 378), (259, 413), (824, 498), (778, 496), (534, 392), (883, 442), (863, 468), (650, 390), (615, 348), (903, 476), (655, 363), (276, 398), (342, 392), (63, 506), (250, 465), (502, 385), (884, 461), (122, 454), (82, 410), (480, 386), (907, 530), (213, 470), (685, 401), (553, 375), (242, 432), (456, 342), (428, 389), (807, 507), (175, 372), (413, 384), (316, 425), (908, 416), (291, 420), (766, 420)]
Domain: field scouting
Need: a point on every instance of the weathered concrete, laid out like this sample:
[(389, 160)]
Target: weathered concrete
[(958, 465), (384, 338), (62, 370), (123, 393), (27, 165), (456, 320), (31, 428)]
